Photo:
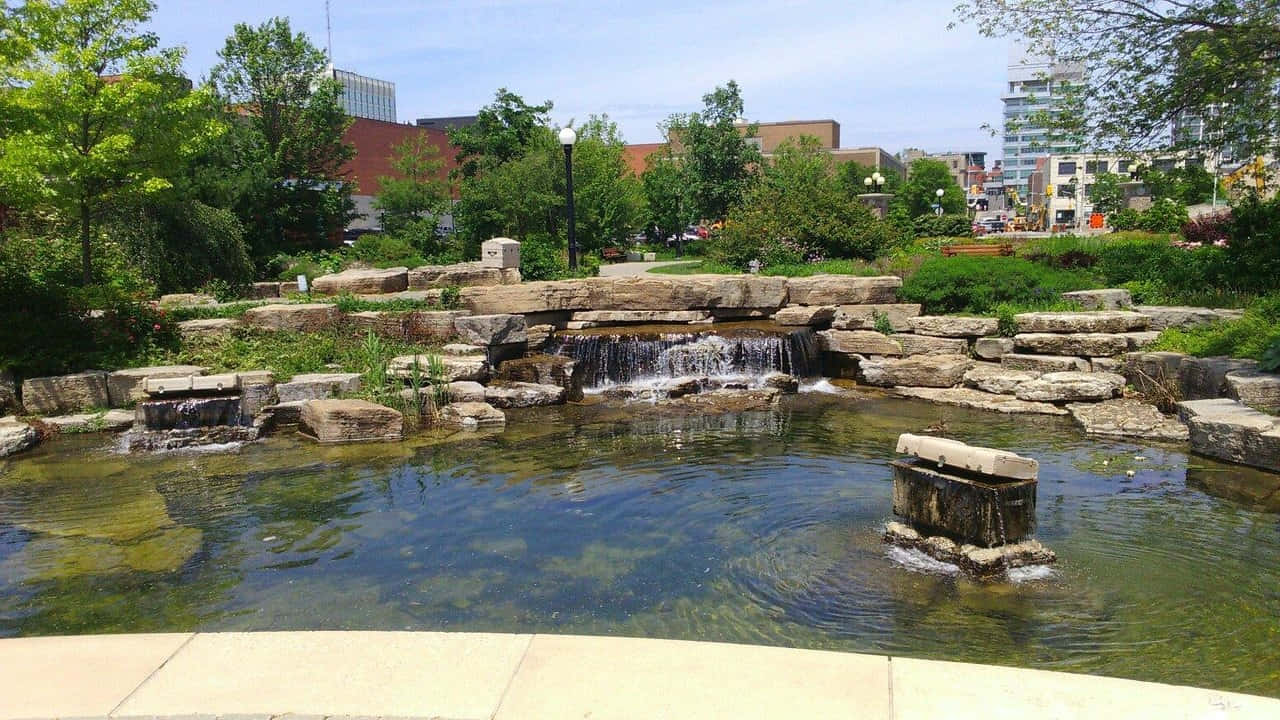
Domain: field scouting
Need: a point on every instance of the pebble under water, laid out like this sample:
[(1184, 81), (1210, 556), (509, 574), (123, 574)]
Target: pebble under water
[(760, 527)]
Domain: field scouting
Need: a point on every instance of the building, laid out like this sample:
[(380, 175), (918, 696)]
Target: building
[(447, 122), (967, 168), (1067, 181), (375, 142), (770, 135), (1035, 84), (365, 97)]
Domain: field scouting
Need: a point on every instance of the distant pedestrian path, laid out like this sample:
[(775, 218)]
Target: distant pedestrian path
[(627, 269)]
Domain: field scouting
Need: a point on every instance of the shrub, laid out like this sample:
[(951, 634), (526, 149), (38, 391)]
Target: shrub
[(1124, 219), (1208, 230), (382, 250), (980, 284), (313, 265), (1006, 322), (1164, 216), (541, 258), (1254, 335), (1159, 262), (930, 225), (1254, 244), (185, 245)]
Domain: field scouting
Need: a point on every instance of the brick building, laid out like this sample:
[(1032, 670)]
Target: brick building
[(375, 142)]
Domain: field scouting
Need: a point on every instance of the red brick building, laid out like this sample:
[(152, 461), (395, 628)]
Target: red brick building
[(375, 142)]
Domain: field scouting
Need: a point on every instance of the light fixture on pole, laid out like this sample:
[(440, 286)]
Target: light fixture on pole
[(874, 182), (937, 208), (567, 138)]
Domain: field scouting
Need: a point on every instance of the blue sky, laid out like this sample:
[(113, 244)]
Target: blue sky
[(890, 72)]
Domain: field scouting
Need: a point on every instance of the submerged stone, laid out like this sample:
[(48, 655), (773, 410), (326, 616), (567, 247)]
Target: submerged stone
[(985, 513)]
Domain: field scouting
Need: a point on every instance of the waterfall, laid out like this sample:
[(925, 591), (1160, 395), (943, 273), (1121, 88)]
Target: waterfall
[(633, 356)]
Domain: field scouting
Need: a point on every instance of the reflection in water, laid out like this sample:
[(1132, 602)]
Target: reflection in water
[(756, 527)]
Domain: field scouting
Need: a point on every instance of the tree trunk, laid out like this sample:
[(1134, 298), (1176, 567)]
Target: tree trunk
[(86, 255)]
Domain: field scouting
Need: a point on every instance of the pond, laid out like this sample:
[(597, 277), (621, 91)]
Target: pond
[(759, 527)]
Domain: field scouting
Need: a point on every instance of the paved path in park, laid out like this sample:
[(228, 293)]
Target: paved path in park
[(484, 676), (627, 269)]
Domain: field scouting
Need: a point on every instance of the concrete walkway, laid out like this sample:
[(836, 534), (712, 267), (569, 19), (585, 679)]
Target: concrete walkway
[(627, 269), (479, 675)]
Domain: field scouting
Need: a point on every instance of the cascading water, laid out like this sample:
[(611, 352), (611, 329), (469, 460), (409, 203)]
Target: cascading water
[(730, 353)]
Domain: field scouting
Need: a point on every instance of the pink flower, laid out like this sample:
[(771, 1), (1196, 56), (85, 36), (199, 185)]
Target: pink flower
[(156, 327)]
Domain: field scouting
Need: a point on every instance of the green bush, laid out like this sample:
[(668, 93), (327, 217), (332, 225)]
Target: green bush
[(185, 245), (1164, 216), (980, 284), (313, 265), (1254, 242), (930, 225), (1124, 219), (1254, 335), (1157, 260), (383, 250), (541, 258)]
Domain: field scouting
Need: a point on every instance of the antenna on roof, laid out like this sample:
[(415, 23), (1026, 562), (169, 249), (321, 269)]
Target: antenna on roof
[(328, 29)]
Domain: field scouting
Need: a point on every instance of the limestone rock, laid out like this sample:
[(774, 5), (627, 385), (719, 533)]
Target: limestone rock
[(863, 317), (207, 328), (930, 345), (956, 454), (431, 325), (109, 421), (372, 281), (8, 391), (1127, 418), (1103, 321), (265, 290), (842, 290), (978, 400), (472, 414), (1070, 387), (782, 381), (805, 315), (985, 513), (186, 299), (317, 386), (464, 391), (860, 342), (1228, 430), (697, 292), (1258, 390), (16, 436), (343, 421), (1139, 339), (491, 329), (537, 297), (1152, 371), (456, 367), (309, 317), (998, 379), (125, 387), (727, 400), (462, 349), (1163, 317), (257, 391), (469, 274), (595, 318), (522, 394), (1043, 363), (1110, 299), (544, 370), (1091, 344), (1206, 378), (539, 335), (1107, 364), (950, 326), (992, 348), (915, 371), (64, 394)]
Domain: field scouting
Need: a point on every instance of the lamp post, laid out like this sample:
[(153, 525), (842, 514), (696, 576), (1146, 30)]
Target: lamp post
[(938, 210), (567, 138), (874, 182)]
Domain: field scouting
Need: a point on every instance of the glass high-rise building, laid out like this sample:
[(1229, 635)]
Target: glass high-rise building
[(366, 97), (1035, 84)]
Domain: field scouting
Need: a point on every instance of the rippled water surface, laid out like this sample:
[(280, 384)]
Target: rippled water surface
[(757, 527)]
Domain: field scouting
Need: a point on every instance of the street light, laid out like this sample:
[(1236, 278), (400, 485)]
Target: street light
[(938, 209), (567, 138), (875, 182)]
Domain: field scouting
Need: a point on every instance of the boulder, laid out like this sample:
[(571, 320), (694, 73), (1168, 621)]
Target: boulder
[(539, 335), (470, 274), (993, 378), (953, 326), (317, 386), (595, 318), (1104, 321), (257, 391), (930, 345), (543, 369), (466, 391), (863, 317), (915, 371), (681, 386), (8, 391), (537, 297), (265, 290), (1163, 317), (992, 348), (431, 325), (1107, 364), (125, 387), (1070, 387), (841, 290), (805, 315), (472, 414), (782, 381), (1043, 363), (1139, 339), (1206, 378), (456, 367), (207, 328), (186, 299), (860, 342), (371, 281), (726, 400), (64, 394), (1257, 389), (16, 436), (1091, 344), (308, 317), (387, 324), (1152, 371), (462, 349), (978, 400), (1228, 430), (697, 292), (109, 421), (491, 329), (1127, 417), (1110, 299), (345, 421), (522, 394)]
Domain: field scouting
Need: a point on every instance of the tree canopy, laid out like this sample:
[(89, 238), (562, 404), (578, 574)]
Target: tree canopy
[(1148, 63), (419, 193), (924, 178), (720, 164)]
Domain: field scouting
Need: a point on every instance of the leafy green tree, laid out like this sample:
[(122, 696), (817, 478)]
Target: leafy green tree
[(852, 178), (1107, 195), (1188, 185), (720, 164), (1145, 64), (97, 115), (420, 194), (608, 198), (502, 132), (668, 207), (290, 151), (924, 178)]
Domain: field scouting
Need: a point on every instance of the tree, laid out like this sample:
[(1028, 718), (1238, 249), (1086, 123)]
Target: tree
[(1146, 64), (720, 164), (97, 115), (420, 193), (502, 132), (1188, 185), (668, 207), (290, 151), (924, 178), (1107, 195), (607, 196)]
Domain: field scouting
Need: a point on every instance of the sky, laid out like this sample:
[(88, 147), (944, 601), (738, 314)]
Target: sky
[(889, 72)]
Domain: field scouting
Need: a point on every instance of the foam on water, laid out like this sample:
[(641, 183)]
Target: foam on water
[(1030, 573), (917, 561), (822, 385)]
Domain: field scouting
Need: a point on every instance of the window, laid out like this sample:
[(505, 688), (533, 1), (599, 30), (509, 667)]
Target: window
[(1094, 167), (1066, 168), (1066, 190), (1122, 166), (1165, 164)]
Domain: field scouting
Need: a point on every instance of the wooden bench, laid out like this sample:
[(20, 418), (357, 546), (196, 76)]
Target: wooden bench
[(613, 254), (983, 249)]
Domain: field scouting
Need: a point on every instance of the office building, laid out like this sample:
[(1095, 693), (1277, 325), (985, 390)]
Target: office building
[(375, 142), (365, 97), (1035, 84)]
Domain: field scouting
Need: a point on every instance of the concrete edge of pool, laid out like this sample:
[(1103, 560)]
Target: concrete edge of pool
[(249, 676)]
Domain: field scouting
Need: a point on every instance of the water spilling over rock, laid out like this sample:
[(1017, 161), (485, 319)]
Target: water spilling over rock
[(206, 411)]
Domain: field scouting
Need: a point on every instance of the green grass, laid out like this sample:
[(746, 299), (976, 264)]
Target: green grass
[(826, 267), (209, 312), (695, 268), (352, 304), (1250, 337)]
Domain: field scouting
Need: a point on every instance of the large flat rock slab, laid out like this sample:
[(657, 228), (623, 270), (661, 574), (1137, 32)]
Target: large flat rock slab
[(842, 290), (109, 421), (1227, 430), (1205, 378), (865, 317), (993, 378), (125, 387), (591, 318), (978, 400), (931, 345), (305, 317), (63, 394), (858, 342), (1044, 363), (456, 367), (1259, 390), (798, 315), (472, 414), (208, 328), (1109, 299), (349, 421), (472, 274), (953, 326), (1163, 317), (1070, 387), (1104, 321), (16, 436), (917, 371), (370, 281), (1126, 417), (1087, 344), (317, 386), (956, 454), (501, 329), (524, 394)]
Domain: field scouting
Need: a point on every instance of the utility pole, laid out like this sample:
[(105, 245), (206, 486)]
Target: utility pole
[(328, 30)]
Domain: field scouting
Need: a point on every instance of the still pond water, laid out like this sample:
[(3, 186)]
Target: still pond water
[(760, 527)]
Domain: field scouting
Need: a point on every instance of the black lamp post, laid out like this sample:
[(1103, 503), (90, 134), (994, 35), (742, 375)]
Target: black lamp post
[(567, 138)]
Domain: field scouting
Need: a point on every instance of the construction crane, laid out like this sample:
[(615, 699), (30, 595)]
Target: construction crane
[(1256, 166)]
